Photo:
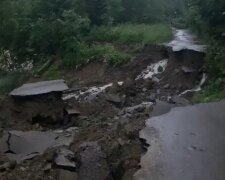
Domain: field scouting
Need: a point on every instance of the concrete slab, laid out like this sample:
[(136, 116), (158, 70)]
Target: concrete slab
[(39, 88)]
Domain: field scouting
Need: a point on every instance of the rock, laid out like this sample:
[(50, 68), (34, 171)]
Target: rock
[(151, 98), (180, 100), (115, 99), (160, 69), (187, 70), (143, 107), (47, 167), (67, 175), (93, 162), (155, 79), (8, 165), (66, 159), (176, 71), (167, 86), (72, 112), (121, 141), (158, 91), (144, 89)]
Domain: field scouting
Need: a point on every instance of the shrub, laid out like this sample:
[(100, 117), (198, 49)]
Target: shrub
[(103, 53)]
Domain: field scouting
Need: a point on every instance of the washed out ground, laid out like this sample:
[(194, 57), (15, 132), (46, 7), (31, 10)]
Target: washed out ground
[(108, 117)]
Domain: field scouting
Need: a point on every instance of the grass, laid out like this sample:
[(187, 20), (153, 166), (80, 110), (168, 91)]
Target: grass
[(214, 91), (215, 63), (133, 33), (105, 53)]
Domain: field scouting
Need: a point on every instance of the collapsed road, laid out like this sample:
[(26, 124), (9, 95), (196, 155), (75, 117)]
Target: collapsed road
[(91, 130), (186, 143)]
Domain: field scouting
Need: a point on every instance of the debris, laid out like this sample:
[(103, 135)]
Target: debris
[(166, 86), (39, 88), (8, 165), (19, 145), (187, 70), (67, 175), (93, 162), (115, 99), (153, 69), (65, 159), (72, 112), (143, 107), (180, 100), (47, 167)]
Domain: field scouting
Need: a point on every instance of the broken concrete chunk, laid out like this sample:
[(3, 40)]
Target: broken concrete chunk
[(39, 88), (72, 111), (19, 145), (65, 159), (115, 99)]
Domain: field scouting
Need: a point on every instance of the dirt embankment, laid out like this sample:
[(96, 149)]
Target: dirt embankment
[(109, 107)]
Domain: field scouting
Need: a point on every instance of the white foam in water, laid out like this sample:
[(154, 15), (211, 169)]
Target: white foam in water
[(198, 88), (92, 91), (153, 69)]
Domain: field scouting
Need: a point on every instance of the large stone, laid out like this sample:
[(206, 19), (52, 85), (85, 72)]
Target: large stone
[(66, 159)]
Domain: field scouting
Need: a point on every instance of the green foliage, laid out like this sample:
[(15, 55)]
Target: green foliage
[(216, 60), (207, 18), (214, 91), (130, 33), (8, 82)]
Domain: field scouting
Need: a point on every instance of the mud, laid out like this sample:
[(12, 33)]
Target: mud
[(109, 108)]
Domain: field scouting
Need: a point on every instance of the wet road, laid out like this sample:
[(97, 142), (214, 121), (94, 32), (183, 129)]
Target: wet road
[(184, 39), (188, 143)]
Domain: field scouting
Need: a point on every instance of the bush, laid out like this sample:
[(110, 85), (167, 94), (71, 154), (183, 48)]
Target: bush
[(8, 82), (215, 62), (131, 33)]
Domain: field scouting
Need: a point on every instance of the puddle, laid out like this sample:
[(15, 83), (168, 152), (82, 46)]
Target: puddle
[(186, 143), (153, 69), (184, 39)]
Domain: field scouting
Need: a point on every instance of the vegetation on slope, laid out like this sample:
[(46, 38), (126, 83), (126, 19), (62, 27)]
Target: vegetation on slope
[(45, 38), (207, 19)]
